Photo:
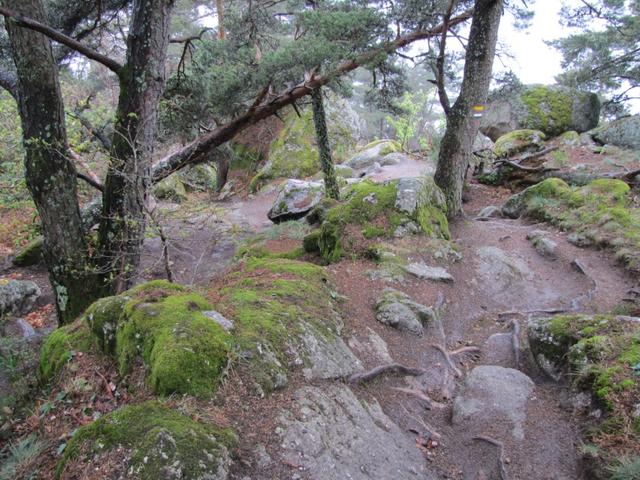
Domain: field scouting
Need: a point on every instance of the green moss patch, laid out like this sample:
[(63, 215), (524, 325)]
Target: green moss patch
[(549, 109), (151, 440), (602, 212), (61, 346), (371, 212), (601, 354), (160, 323), (275, 303), (518, 141), (31, 254)]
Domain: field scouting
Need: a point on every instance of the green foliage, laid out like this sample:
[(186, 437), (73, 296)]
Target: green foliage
[(603, 55), (159, 438), (407, 124), (626, 469)]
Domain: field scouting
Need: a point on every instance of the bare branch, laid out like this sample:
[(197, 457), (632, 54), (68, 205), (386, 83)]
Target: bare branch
[(59, 37), (442, 92)]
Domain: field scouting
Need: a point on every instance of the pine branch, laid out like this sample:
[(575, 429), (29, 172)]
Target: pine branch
[(60, 37)]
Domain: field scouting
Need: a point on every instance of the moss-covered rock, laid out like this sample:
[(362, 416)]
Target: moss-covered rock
[(624, 132), (61, 346), (31, 254), (602, 212), (294, 153), (518, 141), (570, 138), (374, 210), (551, 109), (151, 440), (285, 319), (599, 354), (198, 178), (171, 189), (160, 323)]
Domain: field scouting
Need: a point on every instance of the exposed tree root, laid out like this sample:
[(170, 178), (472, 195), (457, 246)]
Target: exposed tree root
[(456, 371), (428, 428), (395, 368), (420, 396), (500, 446)]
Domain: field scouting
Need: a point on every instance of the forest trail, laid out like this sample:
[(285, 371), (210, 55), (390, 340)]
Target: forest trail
[(499, 279), (468, 419)]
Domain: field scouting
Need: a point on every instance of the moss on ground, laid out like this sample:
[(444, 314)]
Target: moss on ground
[(601, 211), (273, 303), (602, 356), (370, 212), (153, 441)]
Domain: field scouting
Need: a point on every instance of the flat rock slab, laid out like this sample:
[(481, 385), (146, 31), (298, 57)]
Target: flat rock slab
[(331, 434), (329, 357), (425, 272), (494, 395), (498, 350)]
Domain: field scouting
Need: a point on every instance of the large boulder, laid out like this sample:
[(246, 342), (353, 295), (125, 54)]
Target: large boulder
[(372, 211), (31, 254), (624, 132), (170, 189), (552, 109), (199, 178), (17, 296), (494, 395), (375, 152), (295, 199), (294, 153)]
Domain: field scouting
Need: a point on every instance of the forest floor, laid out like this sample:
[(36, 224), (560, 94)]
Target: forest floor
[(500, 280)]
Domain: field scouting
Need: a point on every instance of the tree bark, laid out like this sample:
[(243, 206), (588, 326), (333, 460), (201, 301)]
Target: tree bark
[(142, 81), (462, 127), (50, 173), (324, 149)]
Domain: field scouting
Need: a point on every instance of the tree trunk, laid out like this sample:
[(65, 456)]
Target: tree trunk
[(462, 127), (322, 139), (50, 173), (220, 12), (142, 81)]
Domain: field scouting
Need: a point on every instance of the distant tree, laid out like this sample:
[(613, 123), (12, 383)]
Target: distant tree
[(605, 55)]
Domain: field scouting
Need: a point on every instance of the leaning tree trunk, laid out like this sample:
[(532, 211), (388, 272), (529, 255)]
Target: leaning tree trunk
[(322, 138), (50, 174), (142, 81), (462, 127)]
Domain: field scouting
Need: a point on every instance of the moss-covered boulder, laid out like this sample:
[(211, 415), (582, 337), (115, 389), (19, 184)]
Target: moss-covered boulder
[(551, 109), (148, 440), (598, 354), (294, 153), (295, 199), (198, 178), (518, 141), (286, 320), (371, 211), (624, 132), (31, 253), (170, 189), (373, 152), (601, 212), (162, 324)]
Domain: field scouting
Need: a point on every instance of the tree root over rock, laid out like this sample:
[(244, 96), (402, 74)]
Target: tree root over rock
[(395, 368), (447, 355)]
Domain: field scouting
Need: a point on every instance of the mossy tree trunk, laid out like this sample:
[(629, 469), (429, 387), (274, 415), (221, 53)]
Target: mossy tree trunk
[(324, 148), (142, 81), (462, 127), (50, 174)]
